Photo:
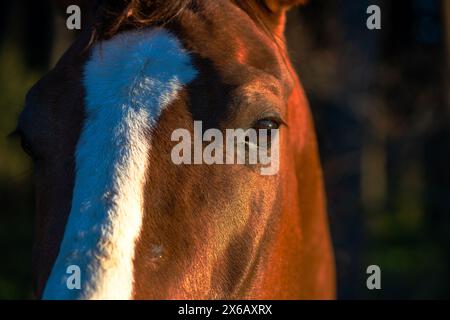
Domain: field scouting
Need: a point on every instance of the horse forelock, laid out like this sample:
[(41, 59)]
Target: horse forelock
[(113, 17)]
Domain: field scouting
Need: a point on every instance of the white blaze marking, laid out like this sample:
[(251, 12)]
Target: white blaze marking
[(129, 80)]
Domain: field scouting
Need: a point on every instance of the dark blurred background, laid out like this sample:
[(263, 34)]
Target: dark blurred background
[(381, 104)]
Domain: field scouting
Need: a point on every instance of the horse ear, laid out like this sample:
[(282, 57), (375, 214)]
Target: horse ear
[(274, 12), (280, 6)]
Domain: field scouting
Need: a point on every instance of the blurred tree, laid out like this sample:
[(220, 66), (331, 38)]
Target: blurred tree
[(378, 98), (38, 37)]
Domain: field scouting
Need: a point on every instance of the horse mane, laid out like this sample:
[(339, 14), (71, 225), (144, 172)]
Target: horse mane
[(114, 16)]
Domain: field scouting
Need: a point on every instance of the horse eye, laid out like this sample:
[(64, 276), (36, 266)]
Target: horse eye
[(268, 124)]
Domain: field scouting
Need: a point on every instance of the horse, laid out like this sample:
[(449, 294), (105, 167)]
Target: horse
[(111, 203)]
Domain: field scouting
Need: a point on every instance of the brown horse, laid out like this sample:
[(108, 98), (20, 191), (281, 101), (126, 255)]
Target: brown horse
[(110, 200)]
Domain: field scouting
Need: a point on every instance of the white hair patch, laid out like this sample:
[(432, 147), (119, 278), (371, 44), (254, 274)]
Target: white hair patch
[(129, 80)]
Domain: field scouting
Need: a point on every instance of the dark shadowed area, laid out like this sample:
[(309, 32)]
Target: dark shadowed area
[(381, 104)]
